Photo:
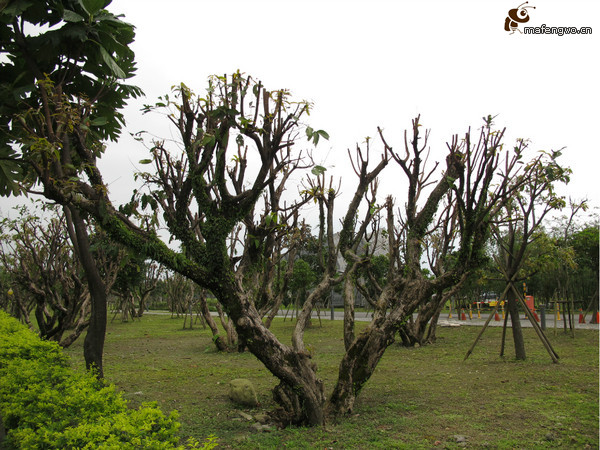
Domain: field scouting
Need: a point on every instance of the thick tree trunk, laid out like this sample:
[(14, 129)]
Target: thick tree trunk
[(413, 331), (358, 365), (142, 305), (517, 331), (44, 320), (79, 328), (349, 299), (300, 392), (302, 395), (93, 345), (361, 359), (431, 332)]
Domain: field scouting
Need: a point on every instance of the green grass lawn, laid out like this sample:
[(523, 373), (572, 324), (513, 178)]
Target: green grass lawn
[(417, 398)]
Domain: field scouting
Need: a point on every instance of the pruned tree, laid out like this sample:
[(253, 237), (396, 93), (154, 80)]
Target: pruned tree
[(471, 175), (136, 279), (236, 143), (204, 182), (438, 244), (45, 275)]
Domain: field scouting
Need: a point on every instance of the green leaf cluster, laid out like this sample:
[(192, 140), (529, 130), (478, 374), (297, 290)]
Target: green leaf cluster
[(45, 404), (315, 135), (318, 170), (75, 47), (10, 172)]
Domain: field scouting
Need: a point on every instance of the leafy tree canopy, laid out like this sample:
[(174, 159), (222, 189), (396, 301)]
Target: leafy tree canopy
[(68, 52)]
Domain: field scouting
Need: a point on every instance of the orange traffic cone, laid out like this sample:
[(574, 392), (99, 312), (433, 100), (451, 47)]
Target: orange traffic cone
[(598, 317), (497, 317), (581, 317), (463, 315)]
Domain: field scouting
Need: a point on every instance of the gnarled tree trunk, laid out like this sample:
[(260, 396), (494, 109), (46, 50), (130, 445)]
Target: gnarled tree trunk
[(349, 300), (417, 331), (300, 392), (358, 365), (365, 352)]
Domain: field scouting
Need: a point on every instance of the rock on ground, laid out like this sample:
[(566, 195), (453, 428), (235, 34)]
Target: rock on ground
[(242, 392)]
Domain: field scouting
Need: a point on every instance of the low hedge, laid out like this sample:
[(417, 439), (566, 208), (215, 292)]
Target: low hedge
[(45, 404)]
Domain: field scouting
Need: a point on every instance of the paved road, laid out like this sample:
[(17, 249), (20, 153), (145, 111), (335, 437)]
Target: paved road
[(454, 321), (445, 321), (524, 322)]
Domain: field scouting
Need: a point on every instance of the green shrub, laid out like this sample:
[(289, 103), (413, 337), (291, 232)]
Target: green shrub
[(45, 404)]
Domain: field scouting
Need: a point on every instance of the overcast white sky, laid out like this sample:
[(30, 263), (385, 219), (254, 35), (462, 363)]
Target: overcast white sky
[(379, 63)]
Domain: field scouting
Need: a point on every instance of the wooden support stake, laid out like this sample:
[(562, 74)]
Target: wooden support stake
[(536, 327), (485, 325), (503, 334)]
